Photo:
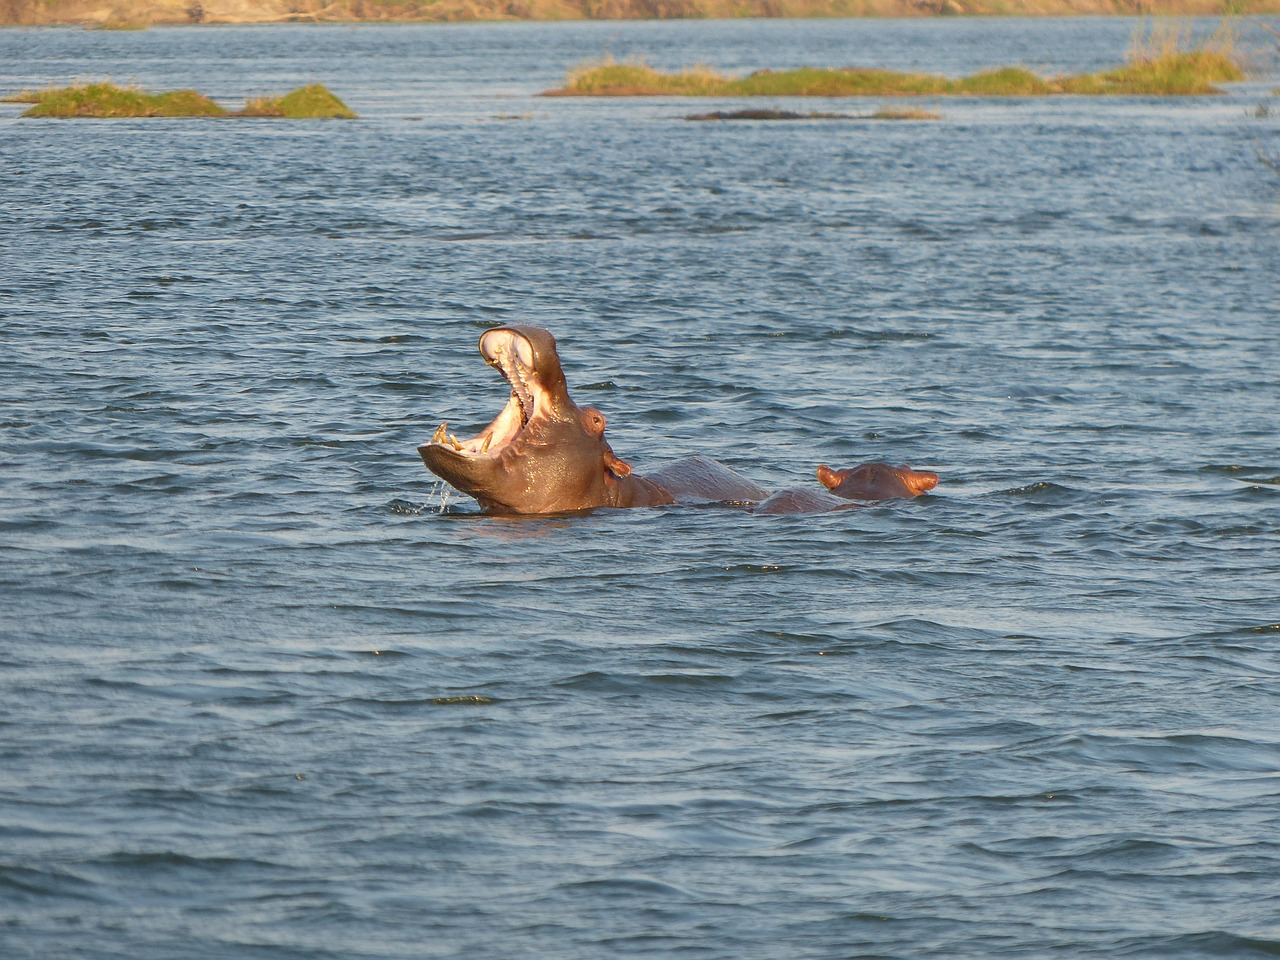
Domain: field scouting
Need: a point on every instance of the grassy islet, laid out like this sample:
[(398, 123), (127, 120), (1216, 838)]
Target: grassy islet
[(108, 100), (1161, 62)]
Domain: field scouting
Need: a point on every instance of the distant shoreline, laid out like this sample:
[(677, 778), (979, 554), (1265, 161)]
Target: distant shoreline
[(139, 14)]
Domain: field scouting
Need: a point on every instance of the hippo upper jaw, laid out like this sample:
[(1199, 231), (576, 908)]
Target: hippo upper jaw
[(511, 353)]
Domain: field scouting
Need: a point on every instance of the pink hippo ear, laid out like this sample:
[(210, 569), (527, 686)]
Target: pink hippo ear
[(619, 468), (919, 481), (595, 424), (830, 478)]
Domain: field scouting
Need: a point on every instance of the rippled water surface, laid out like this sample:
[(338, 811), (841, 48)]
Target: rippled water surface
[(267, 689)]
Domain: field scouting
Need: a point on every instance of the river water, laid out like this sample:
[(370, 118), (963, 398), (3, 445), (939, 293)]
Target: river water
[(267, 689)]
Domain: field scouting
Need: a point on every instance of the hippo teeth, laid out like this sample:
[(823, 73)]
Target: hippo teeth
[(514, 372), (512, 356), (442, 435)]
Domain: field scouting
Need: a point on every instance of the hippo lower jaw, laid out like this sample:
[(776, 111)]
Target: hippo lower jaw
[(512, 356)]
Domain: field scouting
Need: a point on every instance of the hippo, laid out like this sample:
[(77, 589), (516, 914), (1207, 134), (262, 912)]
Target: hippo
[(877, 481), (543, 454), (866, 482)]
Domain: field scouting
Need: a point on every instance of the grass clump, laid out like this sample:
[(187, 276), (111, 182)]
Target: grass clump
[(610, 79), (1161, 61), (108, 100), (306, 103), (905, 113), (884, 113), (1005, 82), (1178, 75), (816, 82)]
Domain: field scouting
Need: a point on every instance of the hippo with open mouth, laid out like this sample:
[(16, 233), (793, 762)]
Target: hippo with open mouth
[(545, 454)]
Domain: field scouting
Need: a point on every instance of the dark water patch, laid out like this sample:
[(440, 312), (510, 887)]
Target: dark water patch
[(169, 866), (628, 887), (1255, 493), (409, 508), (1047, 493), (1170, 753), (640, 685), (1239, 471), (34, 885), (1247, 638), (1207, 943), (771, 115)]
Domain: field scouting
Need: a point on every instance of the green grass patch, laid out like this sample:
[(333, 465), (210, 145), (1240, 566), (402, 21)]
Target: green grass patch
[(306, 103), (1176, 75), (1164, 61), (107, 100), (610, 79), (1161, 62), (907, 113), (884, 113)]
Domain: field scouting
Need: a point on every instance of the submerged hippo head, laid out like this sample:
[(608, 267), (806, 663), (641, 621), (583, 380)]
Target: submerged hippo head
[(877, 481), (543, 453)]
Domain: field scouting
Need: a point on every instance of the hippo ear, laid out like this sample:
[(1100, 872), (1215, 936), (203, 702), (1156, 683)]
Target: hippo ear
[(828, 477), (619, 468)]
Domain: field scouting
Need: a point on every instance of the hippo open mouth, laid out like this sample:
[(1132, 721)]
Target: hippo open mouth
[(512, 355), (543, 453)]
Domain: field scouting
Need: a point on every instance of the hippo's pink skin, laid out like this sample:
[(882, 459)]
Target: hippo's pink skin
[(545, 454), (877, 481)]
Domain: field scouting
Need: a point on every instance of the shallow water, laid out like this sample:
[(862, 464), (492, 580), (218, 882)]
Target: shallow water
[(268, 689)]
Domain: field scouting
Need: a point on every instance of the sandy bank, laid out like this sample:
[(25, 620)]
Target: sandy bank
[(141, 13)]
